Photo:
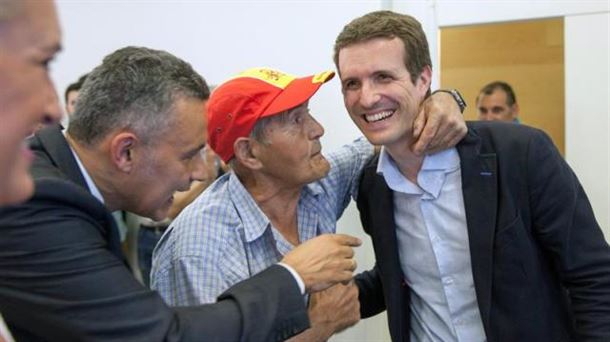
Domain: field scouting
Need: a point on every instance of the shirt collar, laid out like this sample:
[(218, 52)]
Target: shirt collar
[(430, 178), (254, 220), (90, 183)]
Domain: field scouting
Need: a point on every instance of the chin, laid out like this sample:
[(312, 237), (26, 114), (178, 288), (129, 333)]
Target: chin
[(321, 171), (18, 190), (160, 214)]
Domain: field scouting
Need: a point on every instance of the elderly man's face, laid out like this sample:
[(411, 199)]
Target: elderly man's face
[(291, 153), (28, 42)]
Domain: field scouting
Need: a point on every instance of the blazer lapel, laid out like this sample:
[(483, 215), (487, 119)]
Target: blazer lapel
[(479, 185), (52, 142)]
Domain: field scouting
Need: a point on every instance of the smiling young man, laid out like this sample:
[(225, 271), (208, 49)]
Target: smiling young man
[(280, 193), (493, 240)]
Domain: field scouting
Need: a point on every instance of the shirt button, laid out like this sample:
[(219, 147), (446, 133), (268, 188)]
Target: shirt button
[(448, 280)]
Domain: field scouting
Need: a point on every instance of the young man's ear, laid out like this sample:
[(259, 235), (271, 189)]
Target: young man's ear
[(515, 110), (122, 151), (245, 152), (425, 78)]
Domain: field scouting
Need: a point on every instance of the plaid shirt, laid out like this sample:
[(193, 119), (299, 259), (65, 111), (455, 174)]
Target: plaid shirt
[(223, 237)]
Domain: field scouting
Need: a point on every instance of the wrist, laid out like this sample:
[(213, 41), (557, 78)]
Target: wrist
[(456, 96)]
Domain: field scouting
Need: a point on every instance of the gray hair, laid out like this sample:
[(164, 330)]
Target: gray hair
[(259, 131), (134, 88)]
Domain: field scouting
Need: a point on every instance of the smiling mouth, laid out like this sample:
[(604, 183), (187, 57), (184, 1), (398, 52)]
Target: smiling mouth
[(378, 116)]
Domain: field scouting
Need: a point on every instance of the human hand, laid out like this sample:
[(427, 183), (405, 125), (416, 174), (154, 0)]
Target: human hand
[(335, 308), (438, 125), (331, 311), (324, 260)]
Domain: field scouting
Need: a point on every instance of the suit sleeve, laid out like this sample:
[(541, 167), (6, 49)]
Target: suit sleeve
[(55, 259), (566, 227), (370, 293)]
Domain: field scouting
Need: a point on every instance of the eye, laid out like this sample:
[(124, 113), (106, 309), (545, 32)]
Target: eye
[(195, 153), (46, 63), (297, 118), (350, 85), (382, 77)]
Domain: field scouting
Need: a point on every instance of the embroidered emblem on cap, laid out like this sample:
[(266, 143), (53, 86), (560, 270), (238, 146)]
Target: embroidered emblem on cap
[(273, 77)]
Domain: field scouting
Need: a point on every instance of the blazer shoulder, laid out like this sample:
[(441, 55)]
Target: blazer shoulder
[(500, 137), (53, 157), (502, 130)]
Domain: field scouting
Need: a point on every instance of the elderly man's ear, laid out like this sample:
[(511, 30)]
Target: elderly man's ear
[(246, 152)]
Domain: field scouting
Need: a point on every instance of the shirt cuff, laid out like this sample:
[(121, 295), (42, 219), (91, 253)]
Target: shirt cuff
[(296, 277)]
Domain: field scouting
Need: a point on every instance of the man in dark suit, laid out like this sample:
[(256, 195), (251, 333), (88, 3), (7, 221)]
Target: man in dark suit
[(134, 140), (492, 240), (29, 39)]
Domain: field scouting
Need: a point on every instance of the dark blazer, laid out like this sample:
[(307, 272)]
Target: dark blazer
[(61, 265), (540, 263)]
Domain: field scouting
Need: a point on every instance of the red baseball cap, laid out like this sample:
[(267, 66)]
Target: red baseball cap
[(237, 104)]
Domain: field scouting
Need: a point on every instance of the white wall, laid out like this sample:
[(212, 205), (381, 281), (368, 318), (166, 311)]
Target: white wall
[(588, 107)]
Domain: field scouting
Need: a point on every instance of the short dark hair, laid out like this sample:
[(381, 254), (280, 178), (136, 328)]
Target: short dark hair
[(388, 24), (489, 88), (75, 86), (134, 88)]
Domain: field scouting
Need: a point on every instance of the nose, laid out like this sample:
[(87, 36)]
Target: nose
[(198, 167), (368, 95), (315, 128), (52, 110)]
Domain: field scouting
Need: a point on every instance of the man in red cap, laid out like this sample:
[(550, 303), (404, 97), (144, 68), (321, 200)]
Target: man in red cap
[(282, 192)]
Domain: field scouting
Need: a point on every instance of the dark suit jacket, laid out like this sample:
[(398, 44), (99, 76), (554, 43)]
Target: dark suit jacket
[(62, 267), (540, 263)]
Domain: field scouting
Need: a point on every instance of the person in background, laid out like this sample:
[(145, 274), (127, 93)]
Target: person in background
[(492, 240), (497, 102), (71, 94), (134, 140), (280, 193)]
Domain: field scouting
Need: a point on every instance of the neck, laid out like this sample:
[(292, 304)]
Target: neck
[(279, 205), (93, 161), (408, 162)]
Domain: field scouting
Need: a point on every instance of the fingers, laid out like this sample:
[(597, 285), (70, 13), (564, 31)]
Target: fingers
[(428, 134), (453, 136), (418, 123), (347, 240)]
